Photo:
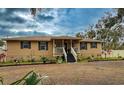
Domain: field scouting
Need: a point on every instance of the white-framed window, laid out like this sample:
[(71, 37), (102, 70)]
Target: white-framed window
[(25, 44), (94, 45), (43, 45)]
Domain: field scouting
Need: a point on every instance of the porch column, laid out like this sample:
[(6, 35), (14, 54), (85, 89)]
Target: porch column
[(78, 46), (53, 47), (62, 43), (71, 43)]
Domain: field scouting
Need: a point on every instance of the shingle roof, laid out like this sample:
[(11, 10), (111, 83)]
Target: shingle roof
[(65, 37), (48, 38), (39, 38), (90, 40)]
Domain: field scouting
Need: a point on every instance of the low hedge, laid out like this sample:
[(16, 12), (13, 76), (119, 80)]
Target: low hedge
[(91, 59), (105, 59), (18, 64)]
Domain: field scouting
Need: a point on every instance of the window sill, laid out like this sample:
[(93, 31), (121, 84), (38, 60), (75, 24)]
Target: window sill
[(43, 50)]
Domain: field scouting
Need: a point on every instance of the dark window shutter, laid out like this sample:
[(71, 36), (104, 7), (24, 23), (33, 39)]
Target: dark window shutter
[(21, 44), (29, 44), (96, 45), (86, 45), (46, 45), (80, 45), (39, 45)]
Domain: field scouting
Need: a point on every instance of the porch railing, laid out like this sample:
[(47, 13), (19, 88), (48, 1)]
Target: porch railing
[(76, 49), (74, 53), (58, 51), (65, 54)]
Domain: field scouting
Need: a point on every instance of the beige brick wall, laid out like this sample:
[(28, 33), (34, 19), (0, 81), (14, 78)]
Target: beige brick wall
[(92, 51), (14, 50), (114, 53)]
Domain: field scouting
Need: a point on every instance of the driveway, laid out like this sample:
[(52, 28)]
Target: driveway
[(75, 73)]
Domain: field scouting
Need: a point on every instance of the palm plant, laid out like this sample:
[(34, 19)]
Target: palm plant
[(44, 59), (1, 80), (30, 78)]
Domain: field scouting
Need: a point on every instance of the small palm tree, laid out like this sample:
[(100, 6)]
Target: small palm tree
[(30, 78)]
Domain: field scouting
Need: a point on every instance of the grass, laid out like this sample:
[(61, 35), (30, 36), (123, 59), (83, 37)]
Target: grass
[(3, 64), (93, 59), (19, 63), (109, 59), (81, 60), (77, 73)]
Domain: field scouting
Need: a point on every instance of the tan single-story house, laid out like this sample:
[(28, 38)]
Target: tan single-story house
[(51, 46)]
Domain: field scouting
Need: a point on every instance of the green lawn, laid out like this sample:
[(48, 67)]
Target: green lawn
[(18, 63)]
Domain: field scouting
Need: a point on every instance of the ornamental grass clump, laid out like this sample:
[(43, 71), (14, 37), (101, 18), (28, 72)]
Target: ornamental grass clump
[(30, 78), (44, 59)]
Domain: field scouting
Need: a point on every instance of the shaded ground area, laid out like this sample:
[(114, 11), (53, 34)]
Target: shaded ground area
[(77, 73)]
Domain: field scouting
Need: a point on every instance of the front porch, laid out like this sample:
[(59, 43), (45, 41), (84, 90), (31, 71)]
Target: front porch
[(65, 46)]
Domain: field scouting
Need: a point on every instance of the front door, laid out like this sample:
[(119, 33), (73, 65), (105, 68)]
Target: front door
[(66, 46)]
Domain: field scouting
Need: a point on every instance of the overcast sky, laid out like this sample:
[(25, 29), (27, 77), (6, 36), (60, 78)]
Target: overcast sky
[(19, 22)]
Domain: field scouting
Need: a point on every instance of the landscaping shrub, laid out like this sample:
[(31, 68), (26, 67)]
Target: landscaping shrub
[(119, 56), (59, 59), (81, 58), (63, 58), (90, 58), (33, 60), (52, 60), (108, 59), (44, 59)]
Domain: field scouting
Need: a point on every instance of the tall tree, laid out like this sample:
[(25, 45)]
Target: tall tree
[(1, 43), (80, 34), (34, 11), (110, 31), (90, 32), (120, 13)]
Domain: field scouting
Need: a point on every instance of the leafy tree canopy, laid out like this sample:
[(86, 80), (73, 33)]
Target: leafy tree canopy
[(1, 43), (109, 30)]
